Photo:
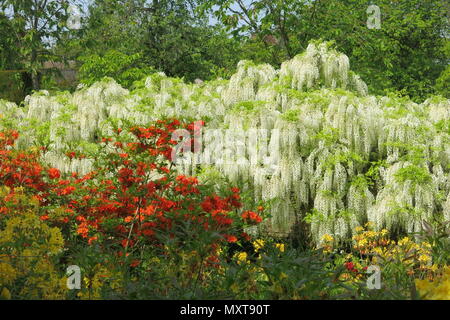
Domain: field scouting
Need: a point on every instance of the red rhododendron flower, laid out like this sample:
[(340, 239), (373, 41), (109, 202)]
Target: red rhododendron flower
[(251, 217), (135, 263), (230, 238), (92, 239), (54, 173), (66, 191)]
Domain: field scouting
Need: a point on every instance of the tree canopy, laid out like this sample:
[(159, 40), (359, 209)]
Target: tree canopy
[(407, 53)]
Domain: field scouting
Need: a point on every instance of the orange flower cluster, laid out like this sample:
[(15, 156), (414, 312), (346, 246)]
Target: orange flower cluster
[(251, 217), (119, 201)]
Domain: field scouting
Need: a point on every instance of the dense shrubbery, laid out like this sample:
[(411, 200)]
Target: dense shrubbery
[(139, 230), (323, 154), (353, 182)]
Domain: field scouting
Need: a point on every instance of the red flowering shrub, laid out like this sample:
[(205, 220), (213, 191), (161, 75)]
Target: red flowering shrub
[(133, 198), (19, 169)]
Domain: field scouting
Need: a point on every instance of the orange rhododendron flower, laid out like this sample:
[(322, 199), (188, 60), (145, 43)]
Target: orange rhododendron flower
[(230, 238), (54, 173)]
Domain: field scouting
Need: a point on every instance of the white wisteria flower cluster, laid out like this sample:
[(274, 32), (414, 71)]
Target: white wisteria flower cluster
[(334, 155)]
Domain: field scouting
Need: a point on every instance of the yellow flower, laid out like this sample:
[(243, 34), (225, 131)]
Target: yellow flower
[(280, 246), (371, 234), (5, 294), (362, 242), (424, 258), (100, 277), (403, 241), (7, 273), (31, 262), (155, 260), (262, 276), (426, 244), (258, 244), (378, 250), (438, 289), (241, 257), (327, 238)]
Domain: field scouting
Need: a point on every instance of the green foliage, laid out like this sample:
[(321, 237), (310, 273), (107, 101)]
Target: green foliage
[(11, 86), (437, 233), (181, 45), (293, 115), (125, 69), (167, 35), (413, 173), (406, 55), (33, 23), (443, 83), (248, 106)]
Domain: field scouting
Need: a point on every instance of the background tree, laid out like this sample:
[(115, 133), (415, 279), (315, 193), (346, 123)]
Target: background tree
[(443, 82), (405, 54), (206, 38), (35, 25), (125, 69), (12, 82), (167, 35)]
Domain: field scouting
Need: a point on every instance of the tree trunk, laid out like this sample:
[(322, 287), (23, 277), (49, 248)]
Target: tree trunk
[(35, 79), (27, 83), (34, 56)]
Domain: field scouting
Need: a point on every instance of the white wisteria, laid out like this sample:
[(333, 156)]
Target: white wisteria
[(308, 139)]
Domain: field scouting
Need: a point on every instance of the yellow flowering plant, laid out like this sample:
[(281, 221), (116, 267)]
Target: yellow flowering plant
[(28, 255), (400, 261), (437, 289)]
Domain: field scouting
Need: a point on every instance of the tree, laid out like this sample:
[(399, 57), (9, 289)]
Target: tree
[(405, 54), (125, 69), (7, 40), (166, 34), (13, 82), (182, 44), (442, 83), (35, 25), (111, 24), (271, 23)]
